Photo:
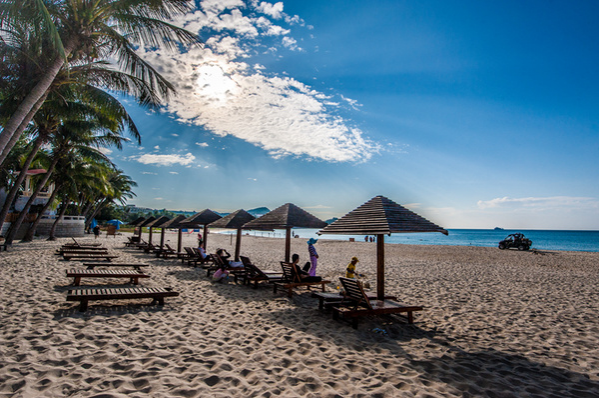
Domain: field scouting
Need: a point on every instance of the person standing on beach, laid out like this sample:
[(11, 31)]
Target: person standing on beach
[(313, 256), (200, 239), (350, 271)]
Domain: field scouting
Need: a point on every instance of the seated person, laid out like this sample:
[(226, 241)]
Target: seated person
[(202, 252), (221, 275), (224, 255), (303, 272)]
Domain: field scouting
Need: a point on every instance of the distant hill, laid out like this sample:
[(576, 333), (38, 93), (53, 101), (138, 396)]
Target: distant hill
[(258, 211)]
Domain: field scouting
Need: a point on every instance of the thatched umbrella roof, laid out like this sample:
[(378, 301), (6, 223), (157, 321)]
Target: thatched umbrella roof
[(147, 221), (202, 218), (176, 223), (138, 220), (380, 216), (157, 223), (235, 220), (286, 217)]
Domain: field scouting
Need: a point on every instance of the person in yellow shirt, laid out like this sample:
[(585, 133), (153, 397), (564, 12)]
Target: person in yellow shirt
[(350, 271)]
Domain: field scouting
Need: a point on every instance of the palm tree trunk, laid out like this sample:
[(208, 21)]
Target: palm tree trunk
[(22, 127), (31, 231), (95, 212), (65, 204), (22, 174), (12, 232), (15, 124)]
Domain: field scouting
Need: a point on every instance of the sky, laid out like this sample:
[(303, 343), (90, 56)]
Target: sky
[(472, 114)]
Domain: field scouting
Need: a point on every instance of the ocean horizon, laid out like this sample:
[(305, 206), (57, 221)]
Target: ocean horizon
[(559, 240)]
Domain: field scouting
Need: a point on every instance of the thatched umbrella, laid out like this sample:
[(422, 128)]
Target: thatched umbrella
[(380, 216), (286, 217), (235, 220), (157, 224), (202, 218), (144, 224), (135, 223), (175, 223), (138, 220)]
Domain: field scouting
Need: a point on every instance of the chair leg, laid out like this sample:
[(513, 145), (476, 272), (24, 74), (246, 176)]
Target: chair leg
[(410, 317)]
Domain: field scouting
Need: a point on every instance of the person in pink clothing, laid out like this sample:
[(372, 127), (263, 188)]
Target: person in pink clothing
[(313, 256)]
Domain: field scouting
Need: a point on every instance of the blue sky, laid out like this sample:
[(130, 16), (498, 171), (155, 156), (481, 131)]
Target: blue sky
[(472, 114)]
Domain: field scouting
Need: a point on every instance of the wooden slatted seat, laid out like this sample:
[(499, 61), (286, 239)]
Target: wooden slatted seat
[(359, 304), (85, 250), (256, 275), (326, 300), (109, 264), (86, 295), (89, 256), (133, 275), (292, 280)]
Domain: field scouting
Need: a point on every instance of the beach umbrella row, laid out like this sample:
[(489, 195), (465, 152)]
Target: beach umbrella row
[(379, 216)]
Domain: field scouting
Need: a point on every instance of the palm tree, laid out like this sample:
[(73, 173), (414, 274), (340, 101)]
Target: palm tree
[(84, 31), (70, 120), (74, 173), (121, 189)]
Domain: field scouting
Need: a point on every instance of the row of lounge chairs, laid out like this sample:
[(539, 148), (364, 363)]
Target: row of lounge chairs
[(96, 252)]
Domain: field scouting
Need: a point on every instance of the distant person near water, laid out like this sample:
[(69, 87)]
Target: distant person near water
[(313, 256)]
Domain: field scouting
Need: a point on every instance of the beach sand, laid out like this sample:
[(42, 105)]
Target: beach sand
[(496, 323)]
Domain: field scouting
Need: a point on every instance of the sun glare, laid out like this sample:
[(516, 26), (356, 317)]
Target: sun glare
[(215, 85)]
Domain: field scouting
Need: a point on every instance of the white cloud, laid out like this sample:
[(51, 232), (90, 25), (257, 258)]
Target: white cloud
[(166, 160), (225, 95), (158, 198), (175, 135), (105, 151), (290, 43), (539, 203), (147, 172), (173, 172), (202, 144), (318, 207), (273, 10)]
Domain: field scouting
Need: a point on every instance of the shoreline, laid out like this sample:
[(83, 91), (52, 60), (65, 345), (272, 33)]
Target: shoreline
[(495, 323)]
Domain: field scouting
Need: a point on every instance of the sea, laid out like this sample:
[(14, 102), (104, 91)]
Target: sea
[(587, 241)]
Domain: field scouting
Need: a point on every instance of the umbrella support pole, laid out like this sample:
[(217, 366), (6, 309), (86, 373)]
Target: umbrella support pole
[(380, 267)]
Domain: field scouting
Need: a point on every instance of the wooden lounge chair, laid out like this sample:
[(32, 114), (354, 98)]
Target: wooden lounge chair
[(326, 300), (132, 240), (256, 275), (85, 295), (217, 261), (359, 304), (134, 265), (193, 256), (133, 275), (89, 256), (166, 251), (78, 244), (91, 250), (292, 280)]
